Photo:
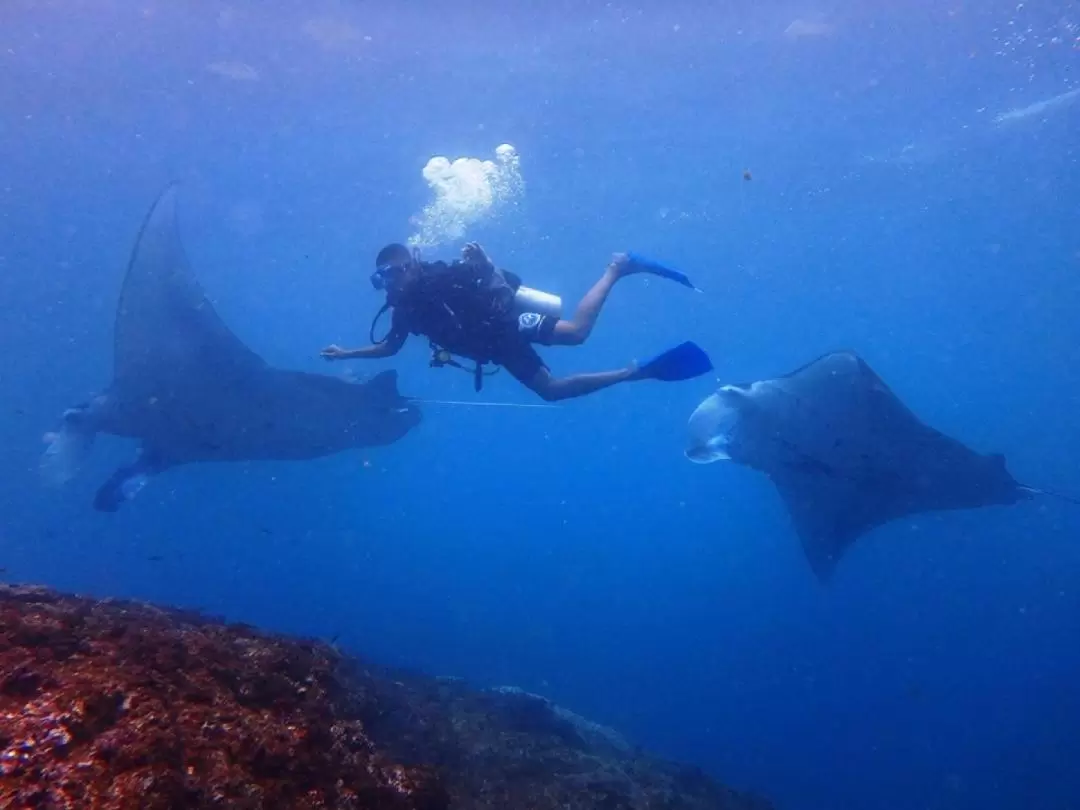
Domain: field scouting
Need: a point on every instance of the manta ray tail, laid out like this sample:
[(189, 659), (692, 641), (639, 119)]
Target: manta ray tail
[(67, 448), (1051, 493)]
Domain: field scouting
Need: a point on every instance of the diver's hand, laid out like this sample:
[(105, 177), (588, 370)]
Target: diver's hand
[(334, 352), (472, 253)]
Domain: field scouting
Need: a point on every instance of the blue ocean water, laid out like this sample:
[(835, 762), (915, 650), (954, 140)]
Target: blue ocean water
[(915, 183)]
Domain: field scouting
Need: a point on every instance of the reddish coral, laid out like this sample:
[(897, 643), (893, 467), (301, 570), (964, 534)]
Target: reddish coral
[(112, 705), (123, 706)]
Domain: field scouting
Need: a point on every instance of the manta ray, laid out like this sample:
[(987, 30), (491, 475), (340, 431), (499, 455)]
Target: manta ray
[(189, 390), (845, 454)]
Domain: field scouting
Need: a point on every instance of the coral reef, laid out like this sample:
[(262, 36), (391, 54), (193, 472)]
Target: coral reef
[(110, 705), (119, 705)]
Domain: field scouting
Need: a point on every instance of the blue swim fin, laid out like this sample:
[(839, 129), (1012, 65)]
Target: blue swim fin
[(639, 264), (684, 362)]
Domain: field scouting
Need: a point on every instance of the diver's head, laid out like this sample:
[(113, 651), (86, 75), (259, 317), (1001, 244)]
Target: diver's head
[(395, 268)]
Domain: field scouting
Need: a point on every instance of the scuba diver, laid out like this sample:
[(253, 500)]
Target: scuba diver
[(471, 309)]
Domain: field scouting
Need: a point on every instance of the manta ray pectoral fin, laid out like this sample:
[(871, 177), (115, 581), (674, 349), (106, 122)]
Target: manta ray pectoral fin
[(383, 389), (827, 515), (128, 481)]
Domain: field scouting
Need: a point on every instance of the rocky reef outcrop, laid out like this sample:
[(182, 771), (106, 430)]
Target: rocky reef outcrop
[(114, 705)]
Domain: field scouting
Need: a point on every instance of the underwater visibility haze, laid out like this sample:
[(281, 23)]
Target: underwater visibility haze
[(893, 187)]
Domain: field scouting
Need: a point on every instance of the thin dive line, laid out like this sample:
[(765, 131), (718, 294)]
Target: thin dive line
[(467, 404)]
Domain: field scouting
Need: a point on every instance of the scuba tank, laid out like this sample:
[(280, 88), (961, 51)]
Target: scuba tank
[(526, 299)]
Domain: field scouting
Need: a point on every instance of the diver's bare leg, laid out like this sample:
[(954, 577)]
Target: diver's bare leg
[(553, 389), (575, 332)]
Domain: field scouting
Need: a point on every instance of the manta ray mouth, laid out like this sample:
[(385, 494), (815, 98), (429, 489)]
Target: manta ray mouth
[(715, 449), (698, 456), (711, 427)]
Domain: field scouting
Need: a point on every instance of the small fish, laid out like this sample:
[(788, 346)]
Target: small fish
[(155, 558)]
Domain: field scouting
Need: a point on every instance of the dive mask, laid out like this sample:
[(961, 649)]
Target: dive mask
[(380, 279)]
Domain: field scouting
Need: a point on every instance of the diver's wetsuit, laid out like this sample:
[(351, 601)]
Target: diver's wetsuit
[(487, 330)]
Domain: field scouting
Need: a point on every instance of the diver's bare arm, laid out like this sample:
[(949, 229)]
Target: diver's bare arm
[(387, 348), (372, 352)]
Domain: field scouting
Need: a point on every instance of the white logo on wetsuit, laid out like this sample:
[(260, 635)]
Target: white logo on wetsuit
[(529, 320)]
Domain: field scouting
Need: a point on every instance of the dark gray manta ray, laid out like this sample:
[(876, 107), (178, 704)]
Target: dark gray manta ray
[(845, 454), (190, 391)]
